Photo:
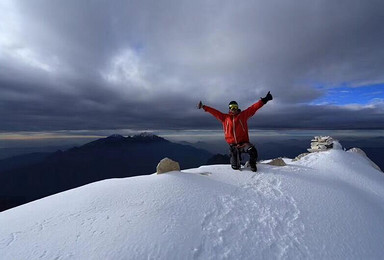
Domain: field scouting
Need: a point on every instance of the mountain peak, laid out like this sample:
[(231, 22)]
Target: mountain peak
[(146, 134), (148, 137)]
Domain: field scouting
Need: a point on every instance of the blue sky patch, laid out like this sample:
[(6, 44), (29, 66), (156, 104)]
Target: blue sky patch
[(345, 95)]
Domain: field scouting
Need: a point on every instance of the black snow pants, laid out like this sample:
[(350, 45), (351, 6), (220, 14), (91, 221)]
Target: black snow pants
[(237, 149)]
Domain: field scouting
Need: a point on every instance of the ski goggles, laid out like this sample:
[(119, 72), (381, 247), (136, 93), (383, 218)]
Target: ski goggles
[(233, 107)]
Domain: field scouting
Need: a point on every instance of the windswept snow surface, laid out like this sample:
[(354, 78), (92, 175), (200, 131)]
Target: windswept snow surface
[(327, 205)]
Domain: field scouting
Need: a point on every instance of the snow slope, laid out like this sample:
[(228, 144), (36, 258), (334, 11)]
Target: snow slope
[(327, 205)]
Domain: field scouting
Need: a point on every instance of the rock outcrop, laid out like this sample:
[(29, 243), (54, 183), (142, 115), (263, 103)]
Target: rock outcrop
[(167, 165), (277, 162)]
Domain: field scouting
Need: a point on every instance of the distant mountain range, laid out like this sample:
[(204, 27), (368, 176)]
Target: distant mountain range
[(29, 177)]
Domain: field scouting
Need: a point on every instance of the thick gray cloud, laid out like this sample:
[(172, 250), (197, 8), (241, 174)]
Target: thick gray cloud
[(145, 64)]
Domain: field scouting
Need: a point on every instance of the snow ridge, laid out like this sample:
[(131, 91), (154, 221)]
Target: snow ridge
[(327, 205)]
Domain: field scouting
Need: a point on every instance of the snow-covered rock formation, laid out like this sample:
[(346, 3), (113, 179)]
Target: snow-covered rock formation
[(327, 205), (321, 143)]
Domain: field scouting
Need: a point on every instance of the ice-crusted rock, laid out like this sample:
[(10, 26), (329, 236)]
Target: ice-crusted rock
[(167, 165), (323, 143)]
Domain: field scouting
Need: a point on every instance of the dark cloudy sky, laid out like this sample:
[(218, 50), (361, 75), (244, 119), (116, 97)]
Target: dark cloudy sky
[(90, 65)]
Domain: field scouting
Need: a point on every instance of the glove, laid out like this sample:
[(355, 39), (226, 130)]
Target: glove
[(200, 105), (267, 97)]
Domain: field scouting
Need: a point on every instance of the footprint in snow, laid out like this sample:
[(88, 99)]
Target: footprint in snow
[(256, 221)]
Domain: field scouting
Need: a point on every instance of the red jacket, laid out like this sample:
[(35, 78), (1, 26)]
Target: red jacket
[(235, 126)]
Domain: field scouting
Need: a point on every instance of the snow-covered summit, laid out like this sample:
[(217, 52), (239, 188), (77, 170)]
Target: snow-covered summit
[(327, 205), (146, 134), (149, 137)]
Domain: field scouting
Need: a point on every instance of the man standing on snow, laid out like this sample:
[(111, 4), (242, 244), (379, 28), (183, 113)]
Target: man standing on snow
[(236, 129)]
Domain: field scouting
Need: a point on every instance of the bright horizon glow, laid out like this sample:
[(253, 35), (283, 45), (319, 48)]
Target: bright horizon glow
[(192, 134)]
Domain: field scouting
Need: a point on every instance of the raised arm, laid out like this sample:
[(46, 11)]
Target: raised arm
[(216, 113), (250, 111)]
